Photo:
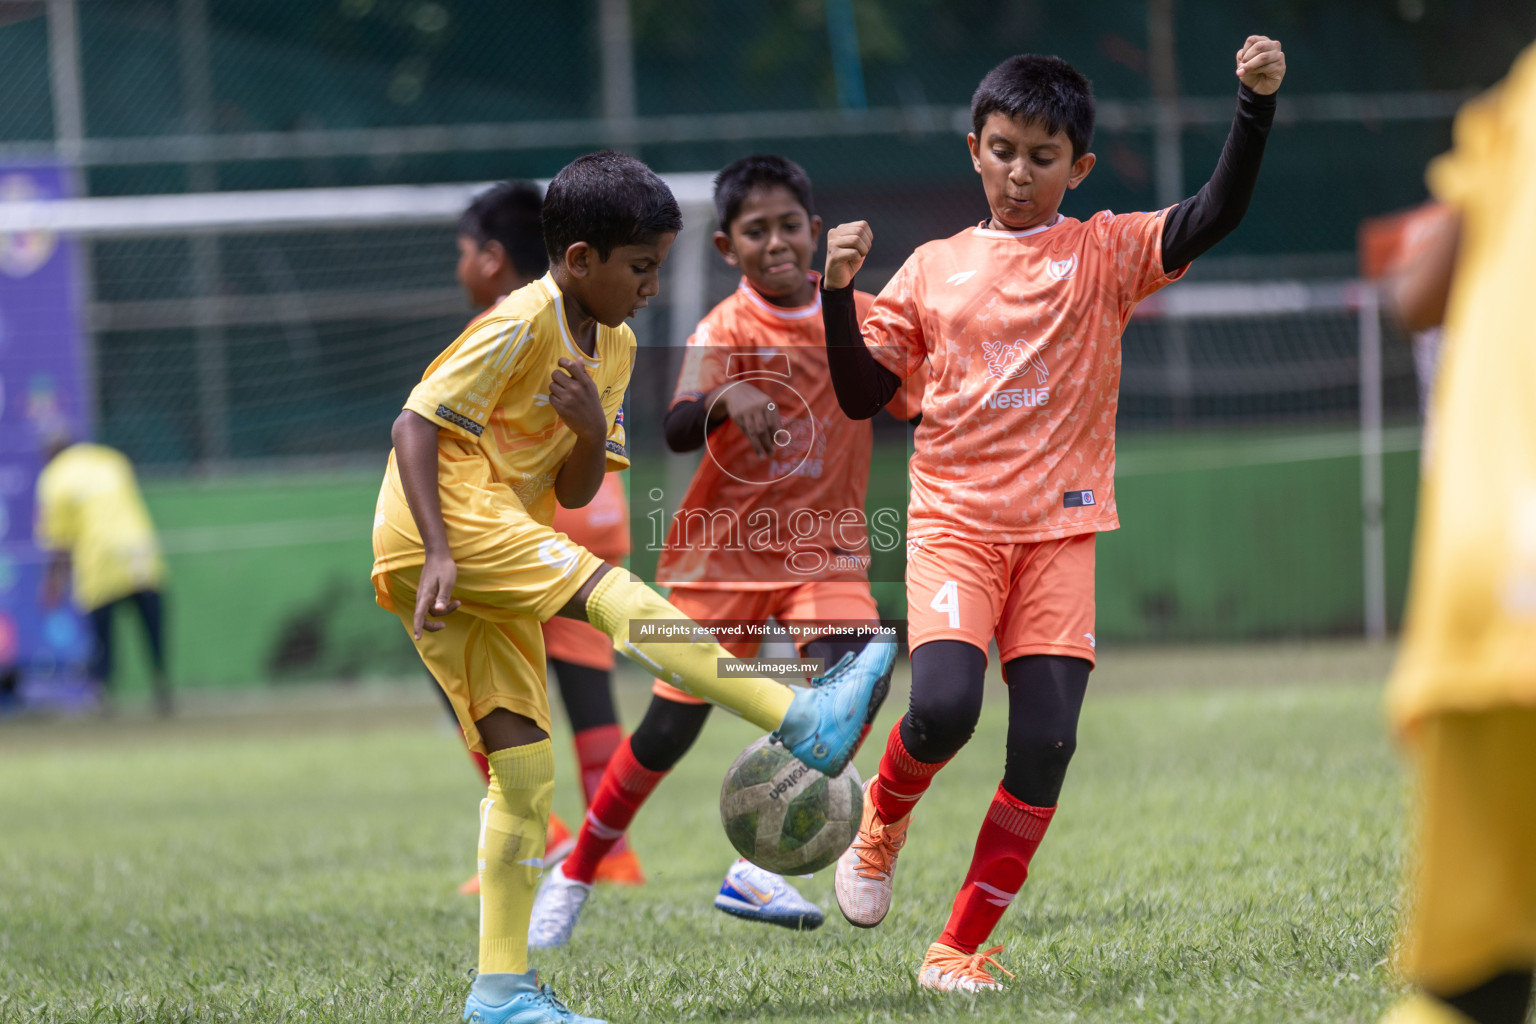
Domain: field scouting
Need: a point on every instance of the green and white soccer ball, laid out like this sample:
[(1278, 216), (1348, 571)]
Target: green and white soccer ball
[(785, 817)]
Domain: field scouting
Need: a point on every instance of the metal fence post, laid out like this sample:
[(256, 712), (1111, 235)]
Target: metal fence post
[(1373, 533)]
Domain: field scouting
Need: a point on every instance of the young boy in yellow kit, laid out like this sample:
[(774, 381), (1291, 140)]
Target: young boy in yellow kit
[(501, 249), (1463, 696), (523, 411)]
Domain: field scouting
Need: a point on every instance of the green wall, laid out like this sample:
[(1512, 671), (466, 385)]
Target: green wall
[(1222, 540)]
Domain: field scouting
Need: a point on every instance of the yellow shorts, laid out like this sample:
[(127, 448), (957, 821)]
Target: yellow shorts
[(1472, 894), (490, 653)]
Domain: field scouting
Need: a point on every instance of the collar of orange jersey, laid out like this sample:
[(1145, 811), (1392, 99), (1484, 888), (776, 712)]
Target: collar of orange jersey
[(982, 231), (758, 302)]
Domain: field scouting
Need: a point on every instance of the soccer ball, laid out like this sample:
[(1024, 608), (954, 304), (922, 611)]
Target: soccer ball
[(785, 817)]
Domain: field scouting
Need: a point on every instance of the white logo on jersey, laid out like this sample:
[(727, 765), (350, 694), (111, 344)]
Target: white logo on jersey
[(960, 278), (1009, 359), (1017, 398), (557, 554), (1060, 270), (1091, 642)]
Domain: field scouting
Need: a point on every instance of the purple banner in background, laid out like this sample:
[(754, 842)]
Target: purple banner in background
[(42, 381)]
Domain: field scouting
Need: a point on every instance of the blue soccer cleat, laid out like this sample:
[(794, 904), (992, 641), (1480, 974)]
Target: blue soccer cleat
[(526, 1002), (882, 685), (824, 723), (757, 895)]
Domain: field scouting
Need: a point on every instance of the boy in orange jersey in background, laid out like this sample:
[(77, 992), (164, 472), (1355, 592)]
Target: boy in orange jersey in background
[(501, 249), (755, 393), (1018, 323)]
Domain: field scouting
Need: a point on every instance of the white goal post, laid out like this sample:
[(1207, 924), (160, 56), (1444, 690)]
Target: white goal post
[(213, 215)]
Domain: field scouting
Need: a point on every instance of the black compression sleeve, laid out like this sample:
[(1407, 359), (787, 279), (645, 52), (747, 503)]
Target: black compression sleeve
[(687, 424), (1201, 221), (863, 386)]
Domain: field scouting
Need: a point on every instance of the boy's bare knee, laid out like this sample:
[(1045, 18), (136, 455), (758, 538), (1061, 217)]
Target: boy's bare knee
[(576, 607), (503, 729)]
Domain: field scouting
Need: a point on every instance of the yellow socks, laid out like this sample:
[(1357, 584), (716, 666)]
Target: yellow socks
[(692, 667), (513, 816)]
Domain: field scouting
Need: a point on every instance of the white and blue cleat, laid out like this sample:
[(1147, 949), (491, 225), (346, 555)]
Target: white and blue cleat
[(825, 721), (757, 895), (518, 999)]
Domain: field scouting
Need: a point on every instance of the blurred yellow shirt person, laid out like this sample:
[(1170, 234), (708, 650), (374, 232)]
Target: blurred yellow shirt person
[(91, 518), (1464, 693)]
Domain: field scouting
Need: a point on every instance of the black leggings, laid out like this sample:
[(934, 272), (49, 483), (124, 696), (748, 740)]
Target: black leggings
[(587, 694), (669, 727), (1503, 999), (1045, 697), (147, 602)]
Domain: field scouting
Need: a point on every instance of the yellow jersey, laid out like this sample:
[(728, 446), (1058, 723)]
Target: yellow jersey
[(89, 505), (500, 444), (1470, 636)]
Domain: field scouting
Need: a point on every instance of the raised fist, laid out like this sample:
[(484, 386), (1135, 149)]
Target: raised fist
[(847, 245)]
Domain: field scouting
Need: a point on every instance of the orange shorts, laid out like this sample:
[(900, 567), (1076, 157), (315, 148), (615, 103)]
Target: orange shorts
[(1033, 598), (574, 641), (808, 602)]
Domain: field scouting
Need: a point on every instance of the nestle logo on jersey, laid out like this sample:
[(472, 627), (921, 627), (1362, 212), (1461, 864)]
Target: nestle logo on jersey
[(1018, 398), (1009, 359)]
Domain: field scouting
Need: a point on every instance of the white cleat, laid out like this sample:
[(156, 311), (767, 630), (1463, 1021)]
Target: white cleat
[(555, 909), (862, 880), (752, 893), (946, 969)]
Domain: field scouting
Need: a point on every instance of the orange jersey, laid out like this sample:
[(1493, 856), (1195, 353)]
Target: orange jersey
[(602, 526), (754, 523), (1020, 334), (1388, 242)]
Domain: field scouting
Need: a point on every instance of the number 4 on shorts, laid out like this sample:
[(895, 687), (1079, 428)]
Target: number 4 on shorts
[(948, 600)]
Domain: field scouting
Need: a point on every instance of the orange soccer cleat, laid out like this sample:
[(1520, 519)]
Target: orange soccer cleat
[(621, 867), (949, 970)]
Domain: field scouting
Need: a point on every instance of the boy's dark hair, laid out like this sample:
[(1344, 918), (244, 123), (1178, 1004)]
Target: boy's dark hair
[(607, 200), (1046, 90), (736, 182), (508, 213)]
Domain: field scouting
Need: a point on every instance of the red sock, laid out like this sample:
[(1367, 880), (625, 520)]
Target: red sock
[(1008, 839), (482, 764), (902, 779), (863, 735), (594, 747), (625, 786)]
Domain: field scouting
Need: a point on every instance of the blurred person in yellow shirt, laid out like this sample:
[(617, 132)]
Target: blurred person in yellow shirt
[(92, 521), (1463, 696)]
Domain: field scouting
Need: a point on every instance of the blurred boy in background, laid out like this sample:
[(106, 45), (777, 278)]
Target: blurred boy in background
[(501, 249), (1463, 696), (92, 521)]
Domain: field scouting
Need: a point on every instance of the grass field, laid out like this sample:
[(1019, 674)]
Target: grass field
[(1227, 850)]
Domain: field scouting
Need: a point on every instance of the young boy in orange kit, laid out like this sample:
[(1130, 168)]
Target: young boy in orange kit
[(1018, 323)]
